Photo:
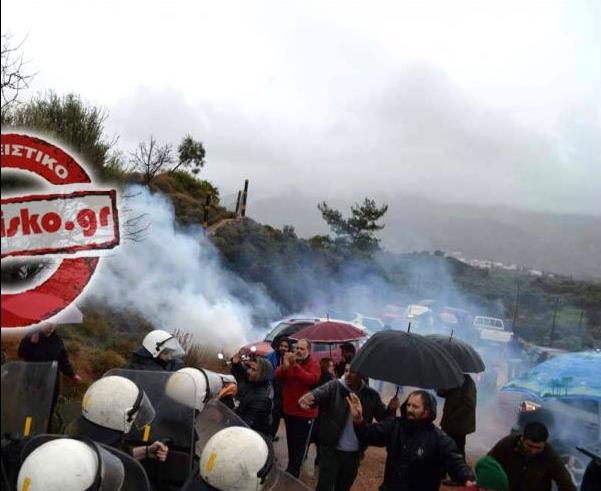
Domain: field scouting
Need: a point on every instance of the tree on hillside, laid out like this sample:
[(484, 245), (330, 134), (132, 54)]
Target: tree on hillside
[(360, 228), (191, 153), (71, 121), (151, 158), (14, 77)]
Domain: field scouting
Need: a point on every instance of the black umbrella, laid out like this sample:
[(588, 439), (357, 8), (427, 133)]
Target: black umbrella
[(464, 354), (405, 358)]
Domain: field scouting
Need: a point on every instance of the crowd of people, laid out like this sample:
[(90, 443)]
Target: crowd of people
[(320, 402)]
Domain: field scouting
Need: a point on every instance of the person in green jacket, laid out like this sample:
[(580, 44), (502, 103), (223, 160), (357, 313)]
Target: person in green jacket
[(530, 462)]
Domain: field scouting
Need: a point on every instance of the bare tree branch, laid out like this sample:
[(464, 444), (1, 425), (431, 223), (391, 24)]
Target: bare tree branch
[(14, 79), (151, 158)]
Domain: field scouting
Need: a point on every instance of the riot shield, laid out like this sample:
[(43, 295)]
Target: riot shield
[(27, 391), (173, 425), (135, 475), (215, 417)]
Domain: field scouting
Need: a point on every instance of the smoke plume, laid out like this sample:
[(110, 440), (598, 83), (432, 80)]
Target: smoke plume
[(174, 278)]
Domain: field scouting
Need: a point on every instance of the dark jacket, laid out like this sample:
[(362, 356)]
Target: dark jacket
[(141, 359), (334, 410), (256, 398), (418, 454), (531, 474), (48, 348), (459, 411), (591, 481), (297, 380), (276, 360)]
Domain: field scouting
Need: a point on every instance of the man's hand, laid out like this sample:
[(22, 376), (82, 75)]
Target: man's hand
[(237, 358), (228, 390), (158, 451), (289, 360), (355, 406), (306, 401), (394, 404)]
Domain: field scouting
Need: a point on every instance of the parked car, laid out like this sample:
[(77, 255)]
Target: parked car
[(285, 327), (492, 329), (463, 328), (372, 324), (289, 327)]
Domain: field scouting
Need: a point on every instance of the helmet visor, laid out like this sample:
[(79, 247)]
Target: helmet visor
[(172, 346), (142, 412)]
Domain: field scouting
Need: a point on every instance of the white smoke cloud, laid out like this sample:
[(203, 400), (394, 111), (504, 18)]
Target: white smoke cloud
[(174, 278)]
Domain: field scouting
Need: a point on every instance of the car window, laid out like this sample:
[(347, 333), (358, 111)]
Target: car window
[(286, 329), (276, 331), (584, 404)]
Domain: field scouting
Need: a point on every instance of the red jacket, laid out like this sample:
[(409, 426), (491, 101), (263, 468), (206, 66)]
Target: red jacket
[(297, 380)]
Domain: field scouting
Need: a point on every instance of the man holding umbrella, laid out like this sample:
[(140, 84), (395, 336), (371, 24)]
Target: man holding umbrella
[(418, 452)]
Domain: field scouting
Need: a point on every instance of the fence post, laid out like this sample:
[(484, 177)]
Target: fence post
[(205, 222), (244, 197)]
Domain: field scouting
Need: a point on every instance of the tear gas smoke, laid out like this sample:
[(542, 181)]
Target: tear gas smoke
[(174, 278)]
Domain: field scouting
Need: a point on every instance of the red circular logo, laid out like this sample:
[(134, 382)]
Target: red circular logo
[(44, 224)]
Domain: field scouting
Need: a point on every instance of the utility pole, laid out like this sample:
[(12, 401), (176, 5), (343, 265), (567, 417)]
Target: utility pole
[(517, 303), (552, 340), (238, 202)]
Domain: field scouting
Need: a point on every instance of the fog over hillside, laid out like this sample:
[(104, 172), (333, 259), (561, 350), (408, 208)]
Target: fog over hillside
[(566, 244)]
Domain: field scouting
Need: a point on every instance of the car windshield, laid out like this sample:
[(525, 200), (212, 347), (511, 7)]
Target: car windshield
[(342, 316), (285, 329), (372, 324)]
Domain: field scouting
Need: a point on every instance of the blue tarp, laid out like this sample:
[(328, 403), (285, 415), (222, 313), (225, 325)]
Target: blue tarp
[(568, 376)]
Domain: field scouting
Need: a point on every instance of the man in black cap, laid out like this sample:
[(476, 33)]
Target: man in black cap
[(347, 352)]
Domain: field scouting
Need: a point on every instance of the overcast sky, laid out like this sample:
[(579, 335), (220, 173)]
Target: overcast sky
[(479, 102)]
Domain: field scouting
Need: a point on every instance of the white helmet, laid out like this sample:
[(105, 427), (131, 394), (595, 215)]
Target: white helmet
[(236, 459), (193, 387), (65, 464), (116, 403), (158, 341)]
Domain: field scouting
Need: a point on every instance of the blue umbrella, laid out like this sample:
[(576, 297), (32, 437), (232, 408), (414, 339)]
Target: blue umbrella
[(568, 376)]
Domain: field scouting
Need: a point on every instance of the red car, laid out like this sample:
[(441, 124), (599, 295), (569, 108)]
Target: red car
[(288, 328)]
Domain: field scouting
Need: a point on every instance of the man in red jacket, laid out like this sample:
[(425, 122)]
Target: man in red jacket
[(299, 373)]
